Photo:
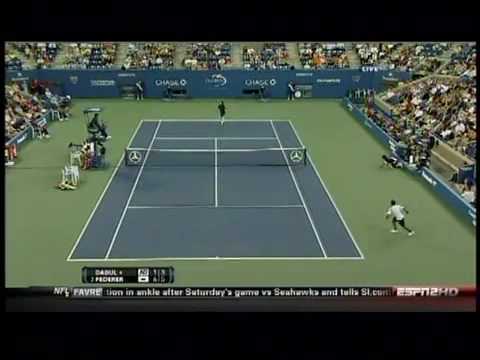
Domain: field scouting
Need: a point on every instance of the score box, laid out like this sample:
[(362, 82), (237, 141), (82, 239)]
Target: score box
[(128, 275)]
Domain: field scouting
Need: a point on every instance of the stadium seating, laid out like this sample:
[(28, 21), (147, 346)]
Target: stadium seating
[(421, 57), (149, 56), (273, 56), (318, 56), (24, 109), (42, 54), (208, 56), (91, 55), (462, 62), (21, 110), (12, 62), (445, 107)]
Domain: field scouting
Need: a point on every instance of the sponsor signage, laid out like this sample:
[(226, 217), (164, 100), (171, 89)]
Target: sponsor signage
[(390, 77), (171, 82), (304, 74), (328, 81), (20, 77), (102, 82), (22, 138), (392, 145), (429, 179), (42, 122), (260, 82), (216, 80), (126, 75)]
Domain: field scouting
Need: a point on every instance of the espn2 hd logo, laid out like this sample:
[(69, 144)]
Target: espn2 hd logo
[(427, 291)]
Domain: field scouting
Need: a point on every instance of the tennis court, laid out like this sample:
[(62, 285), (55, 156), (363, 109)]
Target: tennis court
[(193, 190)]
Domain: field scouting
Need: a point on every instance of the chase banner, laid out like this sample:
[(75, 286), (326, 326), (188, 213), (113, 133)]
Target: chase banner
[(209, 84)]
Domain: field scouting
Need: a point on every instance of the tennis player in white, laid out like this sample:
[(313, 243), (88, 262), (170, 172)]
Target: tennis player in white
[(398, 212)]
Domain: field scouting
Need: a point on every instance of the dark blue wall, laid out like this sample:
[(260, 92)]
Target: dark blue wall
[(209, 84)]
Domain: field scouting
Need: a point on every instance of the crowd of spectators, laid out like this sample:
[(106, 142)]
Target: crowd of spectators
[(43, 54), (445, 107), (12, 61), (462, 61), (273, 56), (422, 57), (318, 56), (25, 108), (208, 56), (149, 56), (91, 55), (21, 110)]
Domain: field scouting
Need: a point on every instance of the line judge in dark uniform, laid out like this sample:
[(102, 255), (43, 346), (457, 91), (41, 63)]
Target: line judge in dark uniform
[(291, 90), (139, 90)]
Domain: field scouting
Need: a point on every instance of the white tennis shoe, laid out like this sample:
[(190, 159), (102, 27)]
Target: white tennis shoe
[(393, 231)]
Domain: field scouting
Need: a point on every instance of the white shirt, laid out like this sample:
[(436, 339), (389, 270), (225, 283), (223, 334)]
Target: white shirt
[(469, 196), (397, 211), (460, 128)]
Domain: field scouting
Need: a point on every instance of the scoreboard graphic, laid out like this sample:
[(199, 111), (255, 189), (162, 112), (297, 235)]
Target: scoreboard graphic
[(128, 275)]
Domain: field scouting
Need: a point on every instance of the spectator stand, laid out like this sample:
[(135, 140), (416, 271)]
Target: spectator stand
[(208, 56), (421, 58), (91, 55), (439, 185), (320, 56), (382, 55), (462, 62), (142, 56), (27, 116), (442, 107), (45, 54), (12, 59), (40, 55), (272, 56)]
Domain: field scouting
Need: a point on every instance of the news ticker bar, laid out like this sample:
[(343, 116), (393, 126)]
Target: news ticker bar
[(128, 275), (250, 292)]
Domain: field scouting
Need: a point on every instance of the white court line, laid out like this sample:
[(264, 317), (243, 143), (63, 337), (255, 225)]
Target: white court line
[(215, 206), (212, 150), (298, 190), (207, 120), (328, 193), (246, 258), (213, 138), (131, 193), (103, 193), (216, 173)]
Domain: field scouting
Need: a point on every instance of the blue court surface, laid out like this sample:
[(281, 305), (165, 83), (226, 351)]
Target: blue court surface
[(196, 191)]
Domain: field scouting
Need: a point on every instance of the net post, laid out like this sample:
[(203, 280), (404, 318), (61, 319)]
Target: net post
[(304, 156), (125, 157)]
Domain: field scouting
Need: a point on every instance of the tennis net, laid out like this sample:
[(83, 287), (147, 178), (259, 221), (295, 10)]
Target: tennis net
[(215, 157)]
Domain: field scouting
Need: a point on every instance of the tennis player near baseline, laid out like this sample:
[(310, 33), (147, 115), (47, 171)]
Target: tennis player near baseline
[(398, 212), (221, 109)]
